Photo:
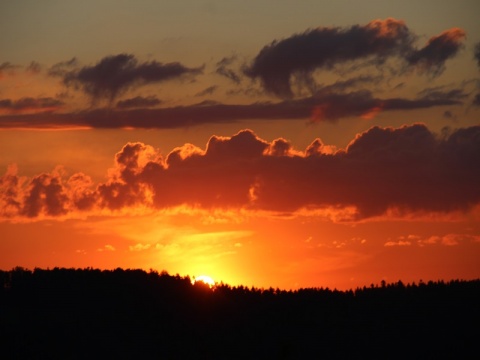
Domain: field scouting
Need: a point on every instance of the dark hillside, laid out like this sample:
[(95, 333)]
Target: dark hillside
[(89, 313)]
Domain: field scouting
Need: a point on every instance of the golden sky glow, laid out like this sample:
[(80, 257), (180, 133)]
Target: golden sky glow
[(333, 149)]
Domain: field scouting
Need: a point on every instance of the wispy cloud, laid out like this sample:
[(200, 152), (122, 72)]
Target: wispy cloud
[(138, 102), (28, 104)]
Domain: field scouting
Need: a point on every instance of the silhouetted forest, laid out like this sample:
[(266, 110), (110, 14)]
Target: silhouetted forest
[(117, 314)]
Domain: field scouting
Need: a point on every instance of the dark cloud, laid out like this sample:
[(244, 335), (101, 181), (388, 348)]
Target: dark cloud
[(31, 104), (329, 106), (45, 195), (383, 170), (115, 74), (439, 48), (476, 54), (323, 106), (326, 48), (138, 102), (223, 69)]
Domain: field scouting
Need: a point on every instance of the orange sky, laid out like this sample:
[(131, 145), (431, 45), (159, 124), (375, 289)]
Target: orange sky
[(336, 150)]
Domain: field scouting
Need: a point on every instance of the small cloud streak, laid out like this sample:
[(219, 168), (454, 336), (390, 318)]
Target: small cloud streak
[(448, 239), (106, 248), (138, 102), (139, 247), (7, 68), (397, 243), (29, 104), (208, 91)]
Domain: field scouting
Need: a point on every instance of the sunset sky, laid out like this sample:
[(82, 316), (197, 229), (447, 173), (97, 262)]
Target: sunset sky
[(267, 143)]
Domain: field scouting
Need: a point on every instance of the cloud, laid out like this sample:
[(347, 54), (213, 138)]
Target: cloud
[(208, 91), (448, 115), (45, 104), (332, 106), (106, 248), (138, 102), (476, 53), (113, 75), (45, 194), (327, 48), (476, 100), (33, 68), (10, 188), (325, 105), (139, 247), (397, 243), (382, 171), (448, 239), (223, 70), (6, 67), (437, 93), (62, 68), (432, 56)]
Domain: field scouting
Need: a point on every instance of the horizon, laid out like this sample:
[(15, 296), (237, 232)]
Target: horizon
[(276, 144), (212, 284)]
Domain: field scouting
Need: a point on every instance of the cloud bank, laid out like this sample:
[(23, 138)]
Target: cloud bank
[(325, 105), (405, 170)]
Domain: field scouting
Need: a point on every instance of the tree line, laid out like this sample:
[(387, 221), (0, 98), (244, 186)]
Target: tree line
[(130, 313)]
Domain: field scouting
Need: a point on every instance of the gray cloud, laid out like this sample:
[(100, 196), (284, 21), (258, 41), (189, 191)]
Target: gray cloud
[(115, 74), (325, 48)]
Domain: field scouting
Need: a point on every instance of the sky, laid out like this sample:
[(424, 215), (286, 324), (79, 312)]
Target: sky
[(266, 143)]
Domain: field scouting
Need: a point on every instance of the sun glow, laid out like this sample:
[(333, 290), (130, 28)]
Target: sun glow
[(204, 279)]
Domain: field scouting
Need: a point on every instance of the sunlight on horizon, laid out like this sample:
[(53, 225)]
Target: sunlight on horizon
[(207, 280)]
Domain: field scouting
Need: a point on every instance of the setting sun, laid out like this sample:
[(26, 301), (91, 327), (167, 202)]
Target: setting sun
[(205, 279)]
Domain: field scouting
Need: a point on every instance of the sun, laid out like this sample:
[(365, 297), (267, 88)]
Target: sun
[(205, 279)]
